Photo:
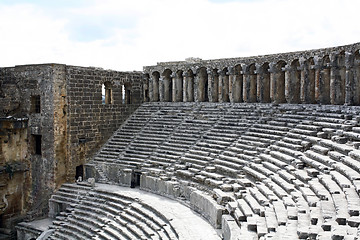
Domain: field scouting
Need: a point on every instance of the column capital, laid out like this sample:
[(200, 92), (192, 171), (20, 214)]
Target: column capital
[(316, 66), (210, 71), (272, 67), (288, 68), (349, 60), (231, 70), (221, 73), (186, 74), (304, 63)]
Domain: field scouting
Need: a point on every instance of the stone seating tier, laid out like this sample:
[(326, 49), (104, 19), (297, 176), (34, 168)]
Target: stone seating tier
[(298, 164), (102, 214)]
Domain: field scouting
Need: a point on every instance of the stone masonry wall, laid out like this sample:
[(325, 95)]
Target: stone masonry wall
[(19, 85), (67, 122), (14, 175), (91, 122)]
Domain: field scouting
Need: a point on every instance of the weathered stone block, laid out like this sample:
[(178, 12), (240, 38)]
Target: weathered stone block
[(230, 229), (207, 207)]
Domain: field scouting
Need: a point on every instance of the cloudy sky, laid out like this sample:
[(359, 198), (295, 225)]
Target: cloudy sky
[(129, 34)]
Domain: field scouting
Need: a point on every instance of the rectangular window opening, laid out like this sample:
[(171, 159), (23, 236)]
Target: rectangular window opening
[(35, 104)]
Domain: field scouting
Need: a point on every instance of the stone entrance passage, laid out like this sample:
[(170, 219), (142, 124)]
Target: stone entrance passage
[(135, 179), (79, 172)]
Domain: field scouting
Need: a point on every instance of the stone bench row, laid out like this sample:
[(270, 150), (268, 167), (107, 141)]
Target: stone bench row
[(102, 214)]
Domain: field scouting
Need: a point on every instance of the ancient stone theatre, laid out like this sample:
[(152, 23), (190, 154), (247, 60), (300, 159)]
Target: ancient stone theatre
[(262, 147)]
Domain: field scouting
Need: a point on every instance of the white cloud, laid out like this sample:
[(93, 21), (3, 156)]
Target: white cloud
[(126, 35)]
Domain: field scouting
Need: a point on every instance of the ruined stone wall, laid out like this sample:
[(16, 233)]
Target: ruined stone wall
[(325, 76), (91, 121), (67, 122), (14, 171), (20, 85)]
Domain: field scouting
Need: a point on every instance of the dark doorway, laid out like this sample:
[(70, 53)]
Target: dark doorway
[(135, 179), (79, 172), (37, 144)]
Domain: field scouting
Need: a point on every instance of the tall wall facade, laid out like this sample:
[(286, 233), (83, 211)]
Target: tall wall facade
[(52, 119), (324, 76), (92, 120), (26, 98)]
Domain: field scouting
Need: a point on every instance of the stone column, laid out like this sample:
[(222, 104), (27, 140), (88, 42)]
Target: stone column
[(288, 75), (172, 87), (304, 82), (185, 86), (246, 84), (273, 73), (220, 88), (317, 70), (325, 79), (356, 72), (178, 87), (223, 86), (311, 75), (337, 81), (154, 88), (146, 88), (151, 89), (249, 84), (196, 87), (161, 89), (277, 90), (190, 88), (232, 79), (350, 86), (213, 85), (236, 84), (263, 86), (226, 84), (333, 80), (202, 86)]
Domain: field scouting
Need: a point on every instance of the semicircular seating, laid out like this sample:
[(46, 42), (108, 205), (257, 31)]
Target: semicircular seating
[(264, 171), (87, 213)]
